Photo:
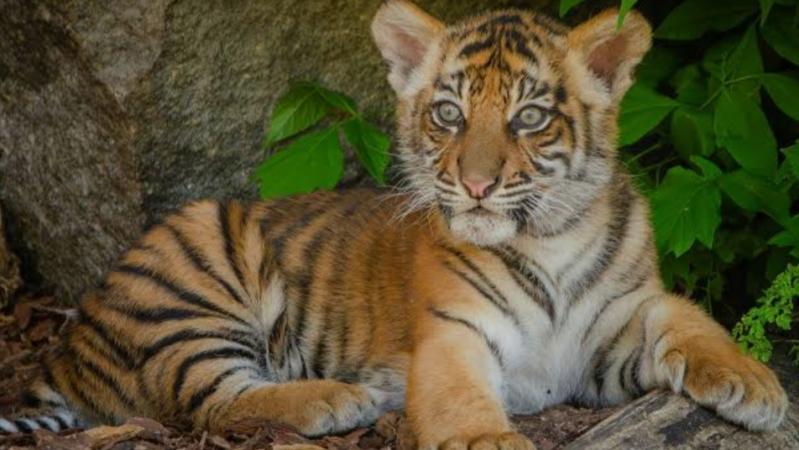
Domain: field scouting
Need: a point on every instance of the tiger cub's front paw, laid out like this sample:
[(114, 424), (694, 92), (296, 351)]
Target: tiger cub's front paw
[(493, 441), (739, 388)]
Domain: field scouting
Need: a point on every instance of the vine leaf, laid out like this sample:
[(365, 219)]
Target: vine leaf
[(742, 128), (782, 33), (370, 145), (642, 109), (566, 5), (692, 131), (755, 194), (784, 90), (312, 161), (693, 18), (685, 208), (301, 108)]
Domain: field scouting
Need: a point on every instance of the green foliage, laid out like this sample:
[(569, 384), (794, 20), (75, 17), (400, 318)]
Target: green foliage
[(710, 132), (776, 308), (308, 122)]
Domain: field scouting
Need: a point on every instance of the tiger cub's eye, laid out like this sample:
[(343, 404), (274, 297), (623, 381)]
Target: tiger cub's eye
[(448, 113), (531, 117)]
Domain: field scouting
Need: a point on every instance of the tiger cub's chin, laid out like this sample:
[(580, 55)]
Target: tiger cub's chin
[(483, 230)]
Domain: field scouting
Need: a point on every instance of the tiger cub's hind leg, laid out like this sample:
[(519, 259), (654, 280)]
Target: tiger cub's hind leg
[(313, 407)]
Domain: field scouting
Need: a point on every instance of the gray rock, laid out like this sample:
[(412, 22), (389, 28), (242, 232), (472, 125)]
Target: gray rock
[(113, 113)]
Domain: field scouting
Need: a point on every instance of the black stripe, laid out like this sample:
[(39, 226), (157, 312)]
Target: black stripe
[(477, 47), (200, 263), (61, 422), (492, 346), (476, 270), (185, 295), (600, 364), (311, 254), (482, 291), (101, 375), (223, 212), (518, 265), (202, 395), (617, 230), (22, 426), (607, 302), (239, 337), (44, 424), (217, 353), (158, 315), (99, 329), (626, 379)]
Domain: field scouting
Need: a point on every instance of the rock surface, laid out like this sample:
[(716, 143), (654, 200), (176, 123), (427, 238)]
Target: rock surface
[(113, 113)]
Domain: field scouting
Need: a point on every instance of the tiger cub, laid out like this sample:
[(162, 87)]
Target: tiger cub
[(518, 271)]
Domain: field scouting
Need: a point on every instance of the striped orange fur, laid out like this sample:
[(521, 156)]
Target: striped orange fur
[(516, 271)]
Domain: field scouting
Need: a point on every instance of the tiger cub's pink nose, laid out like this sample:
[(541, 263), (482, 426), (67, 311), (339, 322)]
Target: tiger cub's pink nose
[(479, 187)]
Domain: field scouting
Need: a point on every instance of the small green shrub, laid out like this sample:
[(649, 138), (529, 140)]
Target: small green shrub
[(308, 123)]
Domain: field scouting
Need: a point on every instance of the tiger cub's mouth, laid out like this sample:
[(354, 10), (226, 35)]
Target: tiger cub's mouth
[(482, 226)]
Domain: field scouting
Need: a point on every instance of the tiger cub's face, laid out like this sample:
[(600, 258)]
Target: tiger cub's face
[(507, 121)]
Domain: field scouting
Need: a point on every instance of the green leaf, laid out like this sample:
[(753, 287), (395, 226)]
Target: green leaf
[(299, 109), (624, 8), (566, 5), (690, 83), (765, 9), (784, 90), (693, 18), (692, 132), (685, 208), (755, 194), (313, 161), (657, 65), (744, 67), (336, 100), (709, 170), (782, 33), (371, 146), (792, 158), (642, 109), (742, 128)]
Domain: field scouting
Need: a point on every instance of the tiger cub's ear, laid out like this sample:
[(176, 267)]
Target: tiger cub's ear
[(609, 54), (403, 33)]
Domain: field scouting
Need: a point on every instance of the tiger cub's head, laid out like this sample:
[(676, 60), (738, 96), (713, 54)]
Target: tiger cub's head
[(507, 121)]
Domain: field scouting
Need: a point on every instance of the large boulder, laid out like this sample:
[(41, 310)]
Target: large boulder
[(114, 113)]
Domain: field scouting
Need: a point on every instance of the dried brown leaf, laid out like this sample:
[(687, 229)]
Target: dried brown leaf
[(107, 436), (297, 447), (219, 441), (22, 314), (41, 330), (153, 429)]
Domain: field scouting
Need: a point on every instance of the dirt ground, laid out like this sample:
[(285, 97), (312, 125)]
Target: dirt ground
[(34, 324)]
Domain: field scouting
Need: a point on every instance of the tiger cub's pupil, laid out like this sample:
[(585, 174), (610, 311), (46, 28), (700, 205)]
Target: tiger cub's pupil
[(448, 113), (531, 117)]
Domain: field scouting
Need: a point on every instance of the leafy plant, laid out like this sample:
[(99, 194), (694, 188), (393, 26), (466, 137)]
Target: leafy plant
[(710, 131), (776, 308), (308, 123)]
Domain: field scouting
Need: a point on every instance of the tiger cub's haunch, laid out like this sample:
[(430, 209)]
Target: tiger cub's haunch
[(517, 272)]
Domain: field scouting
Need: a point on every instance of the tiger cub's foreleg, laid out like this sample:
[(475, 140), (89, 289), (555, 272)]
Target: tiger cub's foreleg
[(313, 407), (671, 343), (453, 389)]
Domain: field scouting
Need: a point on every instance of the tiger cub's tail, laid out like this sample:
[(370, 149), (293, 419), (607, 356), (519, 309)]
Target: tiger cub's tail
[(44, 408)]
